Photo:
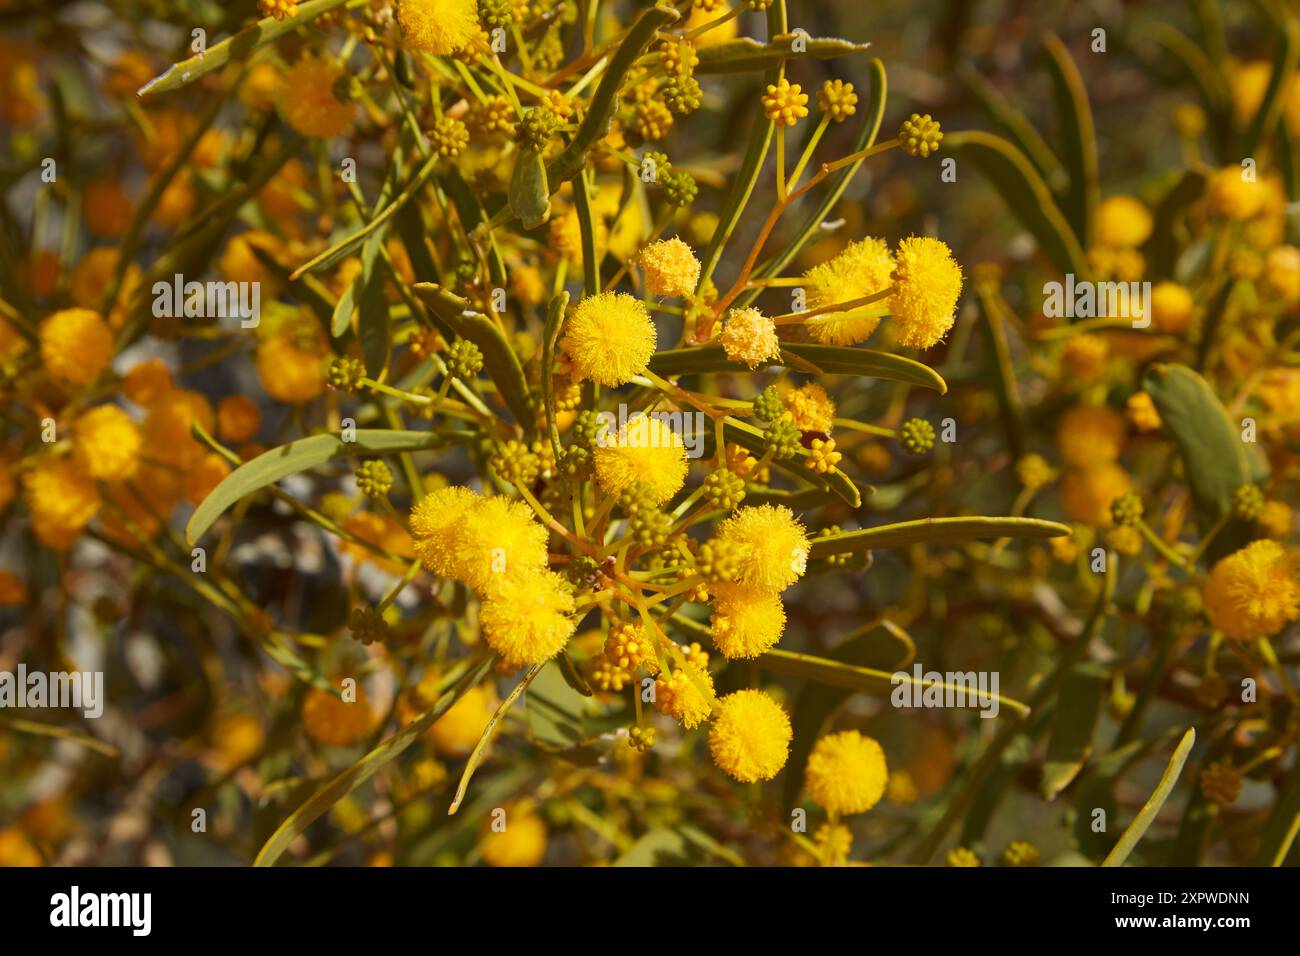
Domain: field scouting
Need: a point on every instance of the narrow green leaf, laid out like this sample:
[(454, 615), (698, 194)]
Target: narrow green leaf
[(485, 738), (550, 342), (1286, 27), (747, 55), (236, 47), (943, 530), (1024, 192), (499, 358), (828, 359), (1080, 139), (301, 455), (742, 187), (530, 199), (1147, 815), (1282, 825), (1016, 125), (1077, 708), (320, 802)]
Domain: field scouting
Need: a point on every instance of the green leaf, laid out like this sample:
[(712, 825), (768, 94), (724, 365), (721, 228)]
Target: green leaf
[(236, 47), (485, 738), (1080, 145), (1161, 250), (828, 359), (587, 232), (1280, 829), (320, 802), (1207, 78), (1077, 710), (837, 674), (747, 55), (301, 455), (945, 530), (499, 358), (1286, 27), (677, 846), (595, 124), (550, 342), (1024, 192), (560, 718), (1215, 459), (1016, 125), (1146, 816), (530, 199)]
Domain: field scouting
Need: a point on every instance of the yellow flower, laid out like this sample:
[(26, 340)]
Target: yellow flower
[(750, 736), (677, 695), (862, 269), (1275, 519), (746, 623), (822, 456), (457, 731), (204, 475), (810, 408), (1090, 435), (749, 336), (62, 499), (12, 590), (521, 841), (609, 338), (76, 345), (440, 27), (1142, 412), (333, 721), (280, 9), (846, 773), (773, 543), (928, 283), (1171, 307), (1253, 592), (671, 268), (645, 450), (1084, 357), (238, 418), (17, 850), (435, 526), (1282, 273), (1230, 196), (308, 102), (290, 374), (495, 539), (1088, 493), (147, 382), (960, 856), (526, 616), (785, 103), (106, 207), (838, 99), (1123, 222), (107, 443)]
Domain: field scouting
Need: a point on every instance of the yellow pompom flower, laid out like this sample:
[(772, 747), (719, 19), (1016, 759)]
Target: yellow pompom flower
[(749, 738), (749, 336), (496, 538), (204, 475), (1084, 357), (1282, 273), (238, 418), (16, 850), (76, 345), (862, 269), (333, 721), (62, 498), (290, 374), (1090, 435), (785, 103), (746, 623), (280, 9), (609, 338), (1141, 411), (147, 382), (308, 101), (810, 408), (1275, 520), (927, 284), (846, 773), (1088, 493), (457, 732), (1231, 196), (1123, 222), (1254, 592), (107, 443), (678, 695), (671, 268), (520, 842), (773, 543), (440, 27), (12, 590), (526, 617), (435, 526), (645, 450), (1171, 307)]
